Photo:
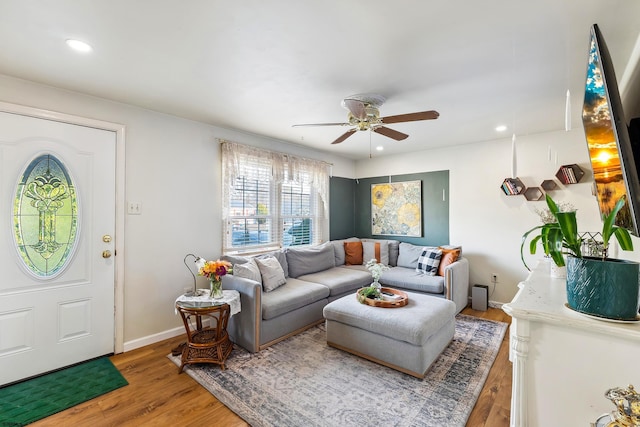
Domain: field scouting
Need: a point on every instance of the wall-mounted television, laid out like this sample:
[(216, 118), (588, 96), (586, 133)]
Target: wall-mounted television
[(614, 155)]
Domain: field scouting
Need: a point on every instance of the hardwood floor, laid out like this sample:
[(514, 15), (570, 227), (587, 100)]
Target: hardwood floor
[(158, 396)]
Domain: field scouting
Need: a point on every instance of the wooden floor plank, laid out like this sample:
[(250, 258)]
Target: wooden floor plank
[(157, 395)]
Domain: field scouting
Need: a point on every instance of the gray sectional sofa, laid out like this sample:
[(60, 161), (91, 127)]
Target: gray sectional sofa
[(308, 278)]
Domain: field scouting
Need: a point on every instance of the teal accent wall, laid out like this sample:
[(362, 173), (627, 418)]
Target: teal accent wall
[(342, 208), (435, 210)]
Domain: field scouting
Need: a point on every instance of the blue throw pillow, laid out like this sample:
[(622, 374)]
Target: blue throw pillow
[(429, 261)]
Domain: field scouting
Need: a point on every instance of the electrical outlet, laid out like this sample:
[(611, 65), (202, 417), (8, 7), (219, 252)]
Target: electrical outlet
[(494, 278)]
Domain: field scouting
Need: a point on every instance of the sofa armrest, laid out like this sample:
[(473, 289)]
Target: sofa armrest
[(244, 327), (456, 283)]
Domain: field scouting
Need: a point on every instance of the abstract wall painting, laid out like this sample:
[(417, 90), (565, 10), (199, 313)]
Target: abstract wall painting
[(396, 209)]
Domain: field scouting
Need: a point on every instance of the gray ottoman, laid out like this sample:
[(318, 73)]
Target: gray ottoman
[(407, 338)]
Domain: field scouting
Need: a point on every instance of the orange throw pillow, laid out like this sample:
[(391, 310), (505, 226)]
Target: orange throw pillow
[(449, 256), (353, 253)]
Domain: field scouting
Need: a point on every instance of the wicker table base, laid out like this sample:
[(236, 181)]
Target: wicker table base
[(210, 344)]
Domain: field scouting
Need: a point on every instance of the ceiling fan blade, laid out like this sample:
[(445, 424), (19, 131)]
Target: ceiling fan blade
[(411, 117), (321, 124), (344, 136), (393, 134), (356, 107)]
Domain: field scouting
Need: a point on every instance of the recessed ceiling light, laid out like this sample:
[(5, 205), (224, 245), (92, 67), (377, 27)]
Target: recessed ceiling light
[(501, 128), (79, 46), (379, 148)]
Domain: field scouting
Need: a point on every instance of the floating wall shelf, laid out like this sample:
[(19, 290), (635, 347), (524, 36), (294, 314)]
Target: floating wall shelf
[(533, 193), (569, 174), (512, 186)]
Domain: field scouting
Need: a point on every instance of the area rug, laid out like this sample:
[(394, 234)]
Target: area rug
[(303, 382), (39, 397)]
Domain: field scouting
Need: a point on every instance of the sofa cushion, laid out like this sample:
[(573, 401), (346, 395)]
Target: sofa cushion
[(429, 261), (291, 296), (271, 272), (338, 249), (378, 249), (408, 254), (340, 279), (310, 259), (353, 253), (279, 255), (370, 250), (248, 270), (408, 278), (386, 247), (449, 256)]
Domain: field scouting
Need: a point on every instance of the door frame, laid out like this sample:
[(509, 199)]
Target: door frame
[(120, 204)]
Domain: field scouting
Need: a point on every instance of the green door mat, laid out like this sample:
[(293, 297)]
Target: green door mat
[(37, 398)]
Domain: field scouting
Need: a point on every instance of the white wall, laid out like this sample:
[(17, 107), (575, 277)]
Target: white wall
[(173, 169), (488, 224)]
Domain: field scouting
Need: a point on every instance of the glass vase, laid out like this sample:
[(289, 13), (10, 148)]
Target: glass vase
[(215, 287)]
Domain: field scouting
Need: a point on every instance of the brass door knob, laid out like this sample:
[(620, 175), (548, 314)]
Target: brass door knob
[(106, 254)]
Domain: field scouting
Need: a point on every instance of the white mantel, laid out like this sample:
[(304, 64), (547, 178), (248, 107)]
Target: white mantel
[(563, 361)]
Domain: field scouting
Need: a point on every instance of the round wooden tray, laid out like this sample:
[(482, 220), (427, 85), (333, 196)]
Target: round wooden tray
[(402, 301)]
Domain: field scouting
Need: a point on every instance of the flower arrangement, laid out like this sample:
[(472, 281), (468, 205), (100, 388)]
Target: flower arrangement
[(376, 269), (372, 291), (214, 270)]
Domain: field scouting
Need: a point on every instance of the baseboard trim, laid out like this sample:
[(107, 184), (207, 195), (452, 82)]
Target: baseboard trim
[(152, 339), (492, 304)]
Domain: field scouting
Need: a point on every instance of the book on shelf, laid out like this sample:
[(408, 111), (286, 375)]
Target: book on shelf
[(568, 175), (511, 186)]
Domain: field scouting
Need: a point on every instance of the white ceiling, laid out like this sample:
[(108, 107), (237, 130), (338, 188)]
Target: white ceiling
[(262, 66)]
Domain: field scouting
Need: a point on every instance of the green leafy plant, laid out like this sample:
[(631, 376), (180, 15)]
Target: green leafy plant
[(367, 292), (561, 237)]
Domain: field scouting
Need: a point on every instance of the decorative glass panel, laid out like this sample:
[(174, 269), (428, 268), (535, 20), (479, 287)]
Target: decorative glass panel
[(45, 216)]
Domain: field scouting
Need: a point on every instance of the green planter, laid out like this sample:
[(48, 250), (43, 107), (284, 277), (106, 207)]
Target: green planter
[(606, 289)]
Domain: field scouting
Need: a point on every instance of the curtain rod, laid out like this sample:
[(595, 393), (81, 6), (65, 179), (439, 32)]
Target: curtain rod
[(223, 141)]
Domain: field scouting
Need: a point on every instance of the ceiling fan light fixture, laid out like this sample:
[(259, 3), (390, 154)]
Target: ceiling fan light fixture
[(364, 114)]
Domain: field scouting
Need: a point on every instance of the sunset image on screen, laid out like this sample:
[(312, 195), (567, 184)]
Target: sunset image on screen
[(603, 150)]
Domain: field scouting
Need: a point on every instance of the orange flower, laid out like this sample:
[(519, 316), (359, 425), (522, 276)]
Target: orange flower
[(215, 269)]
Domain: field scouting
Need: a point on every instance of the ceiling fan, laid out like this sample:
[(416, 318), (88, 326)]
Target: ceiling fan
[(364, 114)]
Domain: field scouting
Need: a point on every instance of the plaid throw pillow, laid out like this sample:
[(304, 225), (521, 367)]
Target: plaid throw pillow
[(429, 261)]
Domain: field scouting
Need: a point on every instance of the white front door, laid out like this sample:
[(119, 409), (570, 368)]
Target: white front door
[(57, 225)]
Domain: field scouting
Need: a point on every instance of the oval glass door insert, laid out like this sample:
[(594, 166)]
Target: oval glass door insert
[(45, 216)]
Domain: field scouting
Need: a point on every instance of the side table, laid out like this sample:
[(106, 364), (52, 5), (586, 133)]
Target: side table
[(210, 343)]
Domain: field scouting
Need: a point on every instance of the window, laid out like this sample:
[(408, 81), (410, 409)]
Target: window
[(296, 214), (249, 216), (45, 217), (271, 199)]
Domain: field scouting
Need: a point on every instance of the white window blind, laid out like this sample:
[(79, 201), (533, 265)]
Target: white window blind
[(271, 199)]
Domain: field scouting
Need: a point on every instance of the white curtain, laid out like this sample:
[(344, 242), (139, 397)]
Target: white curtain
[(239, 160)]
